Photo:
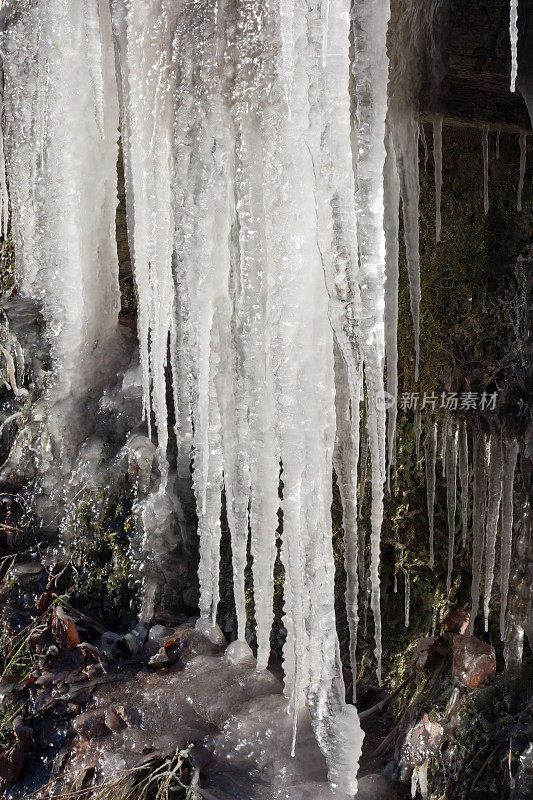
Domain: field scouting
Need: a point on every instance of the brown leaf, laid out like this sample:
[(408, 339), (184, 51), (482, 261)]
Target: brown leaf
[(11, 762), (64, 629)]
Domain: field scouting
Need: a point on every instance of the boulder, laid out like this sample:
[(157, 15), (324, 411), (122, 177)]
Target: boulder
[(474, 661)]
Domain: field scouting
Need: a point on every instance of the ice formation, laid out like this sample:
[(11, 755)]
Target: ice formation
[(509, 457), (463, 475), (492, 514), (485, 146), (513, 35), (233, 226), (430, 452), (451, 495), (522, 173), (437, 157), (480, 471)]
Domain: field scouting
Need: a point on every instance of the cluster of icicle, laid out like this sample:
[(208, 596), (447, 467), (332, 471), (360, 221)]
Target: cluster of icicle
[(259, 267), (493, 469)]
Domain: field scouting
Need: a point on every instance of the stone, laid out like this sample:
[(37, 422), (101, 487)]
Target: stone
[(422, 741), (420, 655), (374, 786), (11, 762), (458, 620), (91, 724), (474, 661), (23, 735)]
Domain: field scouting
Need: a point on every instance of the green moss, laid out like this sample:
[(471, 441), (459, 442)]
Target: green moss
[(99, 532)]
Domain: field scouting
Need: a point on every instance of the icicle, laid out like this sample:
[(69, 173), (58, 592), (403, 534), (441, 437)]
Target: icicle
[(430, 450), (451, 495), (363, 460), (498, 142), (510, 453), (485, 144), (433, 619), (391, 211), (407, 598), (463, 475), (522, 140), (345, 461), (93, 43), (437, 157), (417, 424), (404, 126), (513, 34), (4, 199), (493, 513), (370, 71), (395, 583), (480, 467), (422, 134), (444, 445)]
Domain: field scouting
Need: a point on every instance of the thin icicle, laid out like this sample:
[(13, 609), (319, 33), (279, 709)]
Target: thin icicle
[(437, 157), (370, 71), (363, 469), (493, 514), (444, 445), (407, 598), (510, 453), (498, 142), (522, 140), (430, 450), (417, 424), (485, 146), (451, 495), (391, 213), (422, 134), (345, 459), (463, 475), (513, 35), (480, 468), (433, 620), (4, 198), (93, 43)]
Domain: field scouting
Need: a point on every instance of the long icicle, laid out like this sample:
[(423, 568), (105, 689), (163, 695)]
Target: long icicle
[(437, 158), (493, 514), (451, 495), (463, 475), (513, 35), (510, 453), (485, 147), (522, 142), (430, 450), (391, 221), (480, 467)]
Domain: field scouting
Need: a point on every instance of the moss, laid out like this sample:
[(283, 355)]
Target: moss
[(99, 532)]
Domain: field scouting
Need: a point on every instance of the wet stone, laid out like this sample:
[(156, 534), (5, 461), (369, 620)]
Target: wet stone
[(91, 724), (474, 661)]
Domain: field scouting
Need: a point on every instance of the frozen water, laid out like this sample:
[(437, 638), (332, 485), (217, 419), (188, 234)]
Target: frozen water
[(430, 452)]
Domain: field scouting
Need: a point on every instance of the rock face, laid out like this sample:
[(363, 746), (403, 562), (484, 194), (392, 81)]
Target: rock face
[(474, 662)]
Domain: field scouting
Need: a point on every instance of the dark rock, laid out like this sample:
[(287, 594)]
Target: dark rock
[(113, 721), (23, 735), (458, 620), (91, 724), (474, 662), (11, 762), (130, 716)]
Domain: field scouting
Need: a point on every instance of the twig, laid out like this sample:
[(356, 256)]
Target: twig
[(385, 702)]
